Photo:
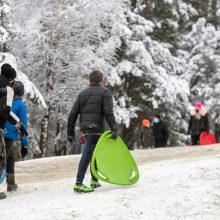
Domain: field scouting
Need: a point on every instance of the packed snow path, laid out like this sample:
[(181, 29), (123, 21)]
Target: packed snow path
[(55, 168), (186, 188)]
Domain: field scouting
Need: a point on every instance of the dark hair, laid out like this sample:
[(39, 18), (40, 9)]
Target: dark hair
[(18, 88), (95, 76), (157, 116)]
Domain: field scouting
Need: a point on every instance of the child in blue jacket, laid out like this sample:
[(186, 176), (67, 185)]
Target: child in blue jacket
[(11, 134)]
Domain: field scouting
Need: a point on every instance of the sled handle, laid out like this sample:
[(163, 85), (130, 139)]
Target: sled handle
[(97, 173), (135, 176)]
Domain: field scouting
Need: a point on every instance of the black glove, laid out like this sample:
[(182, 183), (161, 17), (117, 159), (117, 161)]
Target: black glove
[(24, 151), (71, 139), (21, 129), (114, 135)]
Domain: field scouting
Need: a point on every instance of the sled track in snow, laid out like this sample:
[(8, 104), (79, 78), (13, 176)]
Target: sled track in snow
[(55, 168)]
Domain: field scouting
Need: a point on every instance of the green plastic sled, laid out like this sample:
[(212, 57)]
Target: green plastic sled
[(113, 163)]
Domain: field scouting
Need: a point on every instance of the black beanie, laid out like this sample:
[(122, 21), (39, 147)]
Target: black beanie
[(8, 71)]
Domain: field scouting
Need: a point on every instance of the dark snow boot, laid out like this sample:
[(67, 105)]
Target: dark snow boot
[(2, 195), (11, 186)]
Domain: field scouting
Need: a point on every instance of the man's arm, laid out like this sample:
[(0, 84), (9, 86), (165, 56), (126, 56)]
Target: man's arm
[(10, 116), (72, 118), (108, 110), (22, 115), (190, 126)]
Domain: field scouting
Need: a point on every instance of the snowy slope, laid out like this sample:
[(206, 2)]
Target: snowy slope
[(175, 189)]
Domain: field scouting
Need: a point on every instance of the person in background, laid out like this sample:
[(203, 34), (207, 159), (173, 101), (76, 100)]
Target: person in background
[(19, 108), (61, 142), (93, 105), (198, 123), (146, 134), (7, 77), (160, 132)]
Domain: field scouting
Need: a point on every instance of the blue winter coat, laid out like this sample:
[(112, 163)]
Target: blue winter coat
[(19, 108)]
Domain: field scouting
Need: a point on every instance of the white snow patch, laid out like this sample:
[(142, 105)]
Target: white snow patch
[(176, 189), (168, 1)]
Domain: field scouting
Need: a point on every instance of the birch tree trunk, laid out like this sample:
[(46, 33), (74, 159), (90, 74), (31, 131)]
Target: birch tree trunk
[(45, 120), (52, 42)]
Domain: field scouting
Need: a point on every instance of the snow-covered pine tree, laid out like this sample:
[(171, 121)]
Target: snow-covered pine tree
[(200, 49), (148, 77)]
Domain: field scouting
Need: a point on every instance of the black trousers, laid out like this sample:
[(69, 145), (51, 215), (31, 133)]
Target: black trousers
[(91, 141), (159, 143), (195, 139), (10, 156)]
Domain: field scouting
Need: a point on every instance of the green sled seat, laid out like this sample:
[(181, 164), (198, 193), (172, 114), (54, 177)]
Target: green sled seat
[(113, 163)]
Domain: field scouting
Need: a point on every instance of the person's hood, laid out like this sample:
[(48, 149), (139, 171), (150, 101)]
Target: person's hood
[(4, 81), (202, 112)]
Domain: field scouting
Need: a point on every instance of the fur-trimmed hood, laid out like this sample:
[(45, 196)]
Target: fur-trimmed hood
[(202, 112)]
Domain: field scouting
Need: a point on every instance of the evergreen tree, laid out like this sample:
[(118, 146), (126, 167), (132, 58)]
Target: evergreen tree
[(158, 55), (201, 50), (148, 78)]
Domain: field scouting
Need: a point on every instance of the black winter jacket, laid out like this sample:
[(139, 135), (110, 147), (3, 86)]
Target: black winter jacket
[(93, 105), (161, 134), (197, 126), (6, 98)]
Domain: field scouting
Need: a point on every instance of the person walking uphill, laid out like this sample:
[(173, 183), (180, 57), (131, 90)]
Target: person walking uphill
[(8, 74), (93, 105), (198, 122), (20, 110), (160, 132)]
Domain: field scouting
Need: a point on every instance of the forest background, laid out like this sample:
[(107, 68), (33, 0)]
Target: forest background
[(158, 57)]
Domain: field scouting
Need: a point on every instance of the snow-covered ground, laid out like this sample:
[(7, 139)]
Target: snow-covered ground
[(186, 189)]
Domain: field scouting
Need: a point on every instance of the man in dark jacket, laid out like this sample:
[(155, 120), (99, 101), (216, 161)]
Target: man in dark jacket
[(93, 105), (160, 132), (8, 74)]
